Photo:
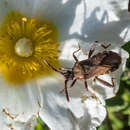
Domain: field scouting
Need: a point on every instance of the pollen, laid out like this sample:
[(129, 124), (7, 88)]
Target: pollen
[(24, 45)]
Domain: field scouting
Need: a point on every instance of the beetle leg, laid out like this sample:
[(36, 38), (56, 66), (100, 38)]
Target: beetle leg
[(92, 49), (92, 94), (72, 84), (75, 55), (86, 85), (66, 91), (105, 82), (90, 53), (105, 46), (112, 82)]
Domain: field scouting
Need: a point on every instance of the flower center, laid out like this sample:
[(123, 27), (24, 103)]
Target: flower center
[(23, 47), (24, 44)]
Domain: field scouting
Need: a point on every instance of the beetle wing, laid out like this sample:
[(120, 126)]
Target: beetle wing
[(94, 60), (96, 71), (112, 59)]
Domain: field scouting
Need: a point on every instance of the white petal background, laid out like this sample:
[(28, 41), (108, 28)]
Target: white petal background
[(19, 103), (75, 115), (76, 20)]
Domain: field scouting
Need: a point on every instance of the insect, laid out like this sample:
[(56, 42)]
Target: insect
[(99, 64)]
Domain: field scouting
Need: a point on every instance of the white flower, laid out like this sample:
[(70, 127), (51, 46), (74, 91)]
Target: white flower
[(75, 20)]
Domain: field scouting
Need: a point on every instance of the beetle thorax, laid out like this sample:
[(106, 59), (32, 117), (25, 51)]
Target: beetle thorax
[(78, 71), (68, 74)]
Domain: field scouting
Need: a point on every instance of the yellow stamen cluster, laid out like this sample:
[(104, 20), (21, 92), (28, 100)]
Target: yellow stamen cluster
[(24, 44)]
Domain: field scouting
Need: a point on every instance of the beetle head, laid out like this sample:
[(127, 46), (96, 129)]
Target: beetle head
[(67, 73)]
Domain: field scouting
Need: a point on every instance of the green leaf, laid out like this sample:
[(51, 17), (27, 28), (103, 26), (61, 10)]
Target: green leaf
[(115, 101), (127, 47), (39, 120), (104, 127), (39, 127)]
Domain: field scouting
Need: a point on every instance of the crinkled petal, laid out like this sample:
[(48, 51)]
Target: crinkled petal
[(57, 113), (103, 21), (18, 103), (27, 125), (54, 112), (94, 113), (7, 124)]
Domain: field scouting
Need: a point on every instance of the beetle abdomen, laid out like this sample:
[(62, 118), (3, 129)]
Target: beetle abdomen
[(112, 59)]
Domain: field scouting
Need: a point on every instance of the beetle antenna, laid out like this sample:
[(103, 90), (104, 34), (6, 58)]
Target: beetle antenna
[(56, 70)]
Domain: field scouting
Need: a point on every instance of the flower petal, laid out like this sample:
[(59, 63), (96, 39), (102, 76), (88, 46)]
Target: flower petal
[(6, 124), (24, 6), (60, 13), (94, 114), (18, 103), (54, 112), (86, 20), (101, 22), (57, 113)]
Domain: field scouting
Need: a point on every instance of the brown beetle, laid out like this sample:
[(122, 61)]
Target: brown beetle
[(98, 64)]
